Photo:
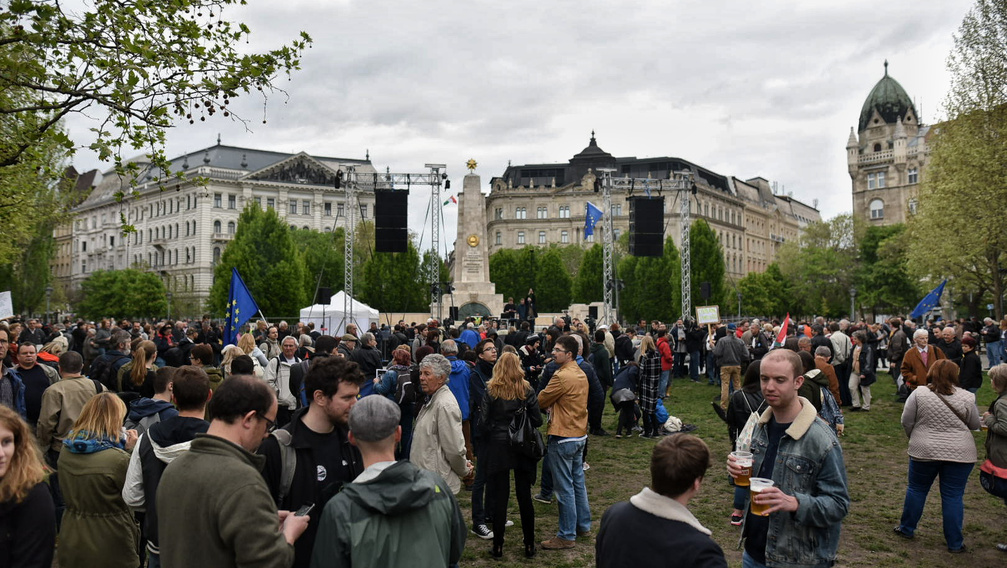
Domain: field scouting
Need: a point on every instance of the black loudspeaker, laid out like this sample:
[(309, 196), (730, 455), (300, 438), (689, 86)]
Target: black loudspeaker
[(324, 296), (704, 290), (453, 311), (646, 226), (391, 212), (592, 312)]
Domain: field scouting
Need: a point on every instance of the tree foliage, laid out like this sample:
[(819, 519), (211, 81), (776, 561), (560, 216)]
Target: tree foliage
[(389, 282), (765, 294), (512, 271), (707, 264), (553, 284), (963, 186), (268, 261), (886, 285), (130, 293), (323, 258), (652, 285), (821, 267), (137, 65), (588, 286)]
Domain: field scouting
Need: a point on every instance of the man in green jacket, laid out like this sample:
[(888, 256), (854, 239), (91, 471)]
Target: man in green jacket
[(393, 514), (214, 508)]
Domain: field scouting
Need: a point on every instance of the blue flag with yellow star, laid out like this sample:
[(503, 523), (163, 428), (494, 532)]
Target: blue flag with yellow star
[(591, 218), (240, 307)]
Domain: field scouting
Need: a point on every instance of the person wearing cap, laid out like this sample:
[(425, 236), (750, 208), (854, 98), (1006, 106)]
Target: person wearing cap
[(346, 345), (971, 375), (730, 353), (393, 513)]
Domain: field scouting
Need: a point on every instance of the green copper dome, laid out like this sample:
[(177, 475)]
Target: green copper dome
[(889, 99)]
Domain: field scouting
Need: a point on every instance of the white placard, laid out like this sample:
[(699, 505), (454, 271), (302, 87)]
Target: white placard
[(6, 306), (707, 314)]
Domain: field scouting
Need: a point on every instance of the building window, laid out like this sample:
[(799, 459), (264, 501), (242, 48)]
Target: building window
[(498, 213), (877, 208), (339, 210), (616, 210), (499, 238), (914, 175), (913, 203), (271, 203), (881, 179), (232, 202), (521, 213), (872, 181), (564, 211), (564, 237), (589, 238), (258, 201), (541, 237), (230, 227), (542, 213), (363, 211), (216, 255), (216, 226), (83, 266), (83, 246), (520, 237), (217, 197), (306, 207), (293, 207), (615, 234), (328, 209), (877, 147)]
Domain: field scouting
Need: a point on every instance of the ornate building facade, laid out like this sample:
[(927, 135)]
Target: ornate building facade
[(887, 156), (182, 230), (541, 204)]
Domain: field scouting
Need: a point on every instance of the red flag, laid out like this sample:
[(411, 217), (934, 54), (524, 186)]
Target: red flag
[(783, 332)]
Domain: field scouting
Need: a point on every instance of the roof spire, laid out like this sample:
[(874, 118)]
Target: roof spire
[(886, 67), (367, 154), (218, 139), (592, 136)]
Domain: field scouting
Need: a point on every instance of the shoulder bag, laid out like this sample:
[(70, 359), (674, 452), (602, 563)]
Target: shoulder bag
[(525, 438)]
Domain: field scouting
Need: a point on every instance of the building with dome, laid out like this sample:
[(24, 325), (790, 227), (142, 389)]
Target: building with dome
[(887, 155), (544, 204)]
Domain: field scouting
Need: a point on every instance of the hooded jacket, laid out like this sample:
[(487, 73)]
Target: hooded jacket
[(459, 385), (403, 517), (145, 412), (163, 442)]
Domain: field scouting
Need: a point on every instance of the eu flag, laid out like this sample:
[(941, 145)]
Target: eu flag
[(929, 301), (591, 219), (240, 307)]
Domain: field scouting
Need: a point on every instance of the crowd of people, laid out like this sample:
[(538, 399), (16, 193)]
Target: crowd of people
[(148, 444)]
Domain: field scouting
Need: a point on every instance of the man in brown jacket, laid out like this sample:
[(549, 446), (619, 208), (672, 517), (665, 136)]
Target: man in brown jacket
[(565, 398), (822, 356), (919, 359)]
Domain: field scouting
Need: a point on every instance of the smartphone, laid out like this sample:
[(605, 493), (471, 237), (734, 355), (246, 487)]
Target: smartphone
[(304, 510)]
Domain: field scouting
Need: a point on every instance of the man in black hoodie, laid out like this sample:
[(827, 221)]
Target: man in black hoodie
[(163, 442), (145, 412)]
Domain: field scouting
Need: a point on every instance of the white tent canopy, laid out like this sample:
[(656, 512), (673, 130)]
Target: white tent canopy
[(330, 318)]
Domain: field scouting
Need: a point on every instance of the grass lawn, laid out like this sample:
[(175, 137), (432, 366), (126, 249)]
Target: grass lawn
[(876, 462)]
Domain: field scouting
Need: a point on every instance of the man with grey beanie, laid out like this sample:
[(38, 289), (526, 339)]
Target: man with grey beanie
[(393, 513)]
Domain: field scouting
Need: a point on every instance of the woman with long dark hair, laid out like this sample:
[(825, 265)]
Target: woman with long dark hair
[(98, 527), (650, 379), (939, 418), (27, 514), (507, 394), (137, 376)]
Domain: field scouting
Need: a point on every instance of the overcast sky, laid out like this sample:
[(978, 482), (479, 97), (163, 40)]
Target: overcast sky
[(748, 89)]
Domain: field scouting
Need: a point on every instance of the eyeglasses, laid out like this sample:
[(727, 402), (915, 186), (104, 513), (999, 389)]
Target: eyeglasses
[(270, 425), (557, 350)]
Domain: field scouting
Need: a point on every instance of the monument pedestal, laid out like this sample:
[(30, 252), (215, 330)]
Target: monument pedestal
[(474, 294)]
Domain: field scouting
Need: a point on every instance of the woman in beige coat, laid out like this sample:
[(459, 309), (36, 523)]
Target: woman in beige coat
[(438, 443)]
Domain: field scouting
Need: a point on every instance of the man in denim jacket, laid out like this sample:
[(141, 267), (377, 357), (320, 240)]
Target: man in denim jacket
[(801, 454)]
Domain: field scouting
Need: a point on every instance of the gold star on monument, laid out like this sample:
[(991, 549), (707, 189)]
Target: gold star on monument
[(471, 165)]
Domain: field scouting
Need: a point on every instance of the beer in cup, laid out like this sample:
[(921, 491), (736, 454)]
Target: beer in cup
[(743, 459), (756, 487)]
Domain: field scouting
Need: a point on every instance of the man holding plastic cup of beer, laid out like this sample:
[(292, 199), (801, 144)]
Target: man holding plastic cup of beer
[(798, 477)]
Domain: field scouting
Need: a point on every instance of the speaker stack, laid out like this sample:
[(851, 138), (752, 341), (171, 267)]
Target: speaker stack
[(391, 211), (646, 226)]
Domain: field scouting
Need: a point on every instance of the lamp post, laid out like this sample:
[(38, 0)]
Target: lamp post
[(48, 296), (169, 304), (739, 304), (853, 296)]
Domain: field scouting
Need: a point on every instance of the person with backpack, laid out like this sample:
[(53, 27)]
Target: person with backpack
[(145, 412), (397, 384), (310, 459), (744, 402), (105, 369), (162, 442)]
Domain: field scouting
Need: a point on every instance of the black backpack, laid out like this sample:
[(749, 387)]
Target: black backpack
[(103, 370)]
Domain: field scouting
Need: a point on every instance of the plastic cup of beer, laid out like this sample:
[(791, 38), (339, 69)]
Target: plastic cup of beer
[(756, 487), (743, 459)]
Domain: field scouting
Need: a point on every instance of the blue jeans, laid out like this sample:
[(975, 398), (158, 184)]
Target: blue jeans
[(662, 385), (545, 488), (567, 465), (153, 560), (749, 562), (712, 370), (995, 352), (694, 365), (953, 476), (740, 497)]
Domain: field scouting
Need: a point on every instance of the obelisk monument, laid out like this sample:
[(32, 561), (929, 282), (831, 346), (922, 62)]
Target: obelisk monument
[(474, 294)]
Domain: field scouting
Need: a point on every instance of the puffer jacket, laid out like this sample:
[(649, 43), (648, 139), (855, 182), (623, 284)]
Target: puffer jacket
[(938, 433)]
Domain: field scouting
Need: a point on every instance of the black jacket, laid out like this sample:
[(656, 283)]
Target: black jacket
[(368, 358), (624, 348), (971, 375), (496, 415), (304, 489), (630, 538), (28, 530)]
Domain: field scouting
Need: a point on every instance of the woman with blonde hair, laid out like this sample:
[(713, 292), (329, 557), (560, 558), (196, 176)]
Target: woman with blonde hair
[(247, 344), (649, 382), (98, 528), (507, 394), (27, 514), (50, 352), (137, 376), (230, 352)]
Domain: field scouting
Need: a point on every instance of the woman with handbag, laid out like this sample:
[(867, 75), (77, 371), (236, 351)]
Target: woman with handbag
[(509, 402), (993, 474), (939, 419), (862, 374)]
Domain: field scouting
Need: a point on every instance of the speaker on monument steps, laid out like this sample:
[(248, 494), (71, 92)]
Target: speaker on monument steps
[(391, 212), (646, 226)]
